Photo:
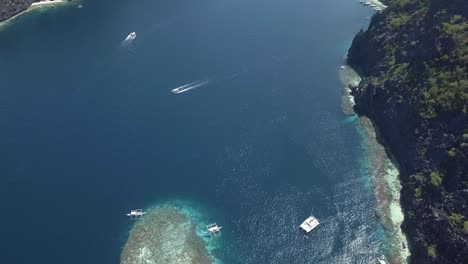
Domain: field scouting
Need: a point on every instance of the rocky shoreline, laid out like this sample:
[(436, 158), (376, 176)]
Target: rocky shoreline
[(412, 60), (384, 174), (10, 8)]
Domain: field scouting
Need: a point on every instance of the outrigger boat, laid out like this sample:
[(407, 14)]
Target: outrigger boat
[(136, 214), (214, 230)]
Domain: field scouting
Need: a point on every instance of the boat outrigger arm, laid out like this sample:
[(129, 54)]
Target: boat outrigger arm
[(136, 214), (214, 230)]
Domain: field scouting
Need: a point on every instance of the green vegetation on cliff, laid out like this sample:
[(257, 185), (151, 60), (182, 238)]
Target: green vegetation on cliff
[(413, 59)]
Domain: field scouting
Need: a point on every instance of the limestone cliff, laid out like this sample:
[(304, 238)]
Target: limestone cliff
[(413, 59)]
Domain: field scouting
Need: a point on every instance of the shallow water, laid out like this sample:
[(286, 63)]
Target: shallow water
[(92, 130)]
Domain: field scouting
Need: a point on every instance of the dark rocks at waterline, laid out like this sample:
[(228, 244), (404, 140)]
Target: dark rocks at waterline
[(413, 61)]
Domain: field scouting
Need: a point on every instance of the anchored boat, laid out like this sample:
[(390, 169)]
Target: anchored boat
[(136, 214), (309, 224), (214, 230)]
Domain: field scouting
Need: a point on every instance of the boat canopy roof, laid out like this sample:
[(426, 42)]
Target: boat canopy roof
[(309, 224)]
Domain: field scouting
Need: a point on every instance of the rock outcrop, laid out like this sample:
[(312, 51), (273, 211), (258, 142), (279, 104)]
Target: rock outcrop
[(9, 8), (413, 60)]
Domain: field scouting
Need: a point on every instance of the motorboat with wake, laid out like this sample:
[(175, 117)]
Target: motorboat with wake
[(130, 36), (188, 87), (129, 39), (177, 91), (180, 89)]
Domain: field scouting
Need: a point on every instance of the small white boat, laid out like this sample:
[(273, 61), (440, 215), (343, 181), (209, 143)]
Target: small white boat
[(130, 36), (309, 224), (129, 39)]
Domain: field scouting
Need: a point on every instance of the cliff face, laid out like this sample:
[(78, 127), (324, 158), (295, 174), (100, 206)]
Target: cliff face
[(9, 8), (413, 59)]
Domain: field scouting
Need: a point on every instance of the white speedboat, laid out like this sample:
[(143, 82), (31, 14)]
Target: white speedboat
[(130, 36), (309, 224), (176, 91)]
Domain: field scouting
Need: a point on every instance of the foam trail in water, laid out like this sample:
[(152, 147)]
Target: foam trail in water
[(126, 43), (182, 90), (187, 85)]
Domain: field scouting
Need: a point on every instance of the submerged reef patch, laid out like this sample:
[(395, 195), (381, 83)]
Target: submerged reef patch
[(170, 233)]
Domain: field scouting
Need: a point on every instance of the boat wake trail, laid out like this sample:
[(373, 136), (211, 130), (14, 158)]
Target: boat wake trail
[(188, 87)]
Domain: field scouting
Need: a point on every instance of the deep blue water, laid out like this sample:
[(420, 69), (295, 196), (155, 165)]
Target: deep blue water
[(90, 130)]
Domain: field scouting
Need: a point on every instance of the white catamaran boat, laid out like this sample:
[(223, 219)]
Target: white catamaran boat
[(309, 224)]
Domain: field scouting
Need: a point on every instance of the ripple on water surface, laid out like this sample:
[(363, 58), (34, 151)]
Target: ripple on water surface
[(266, 227)]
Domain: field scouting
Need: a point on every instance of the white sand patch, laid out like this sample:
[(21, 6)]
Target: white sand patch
[(47, 2)]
